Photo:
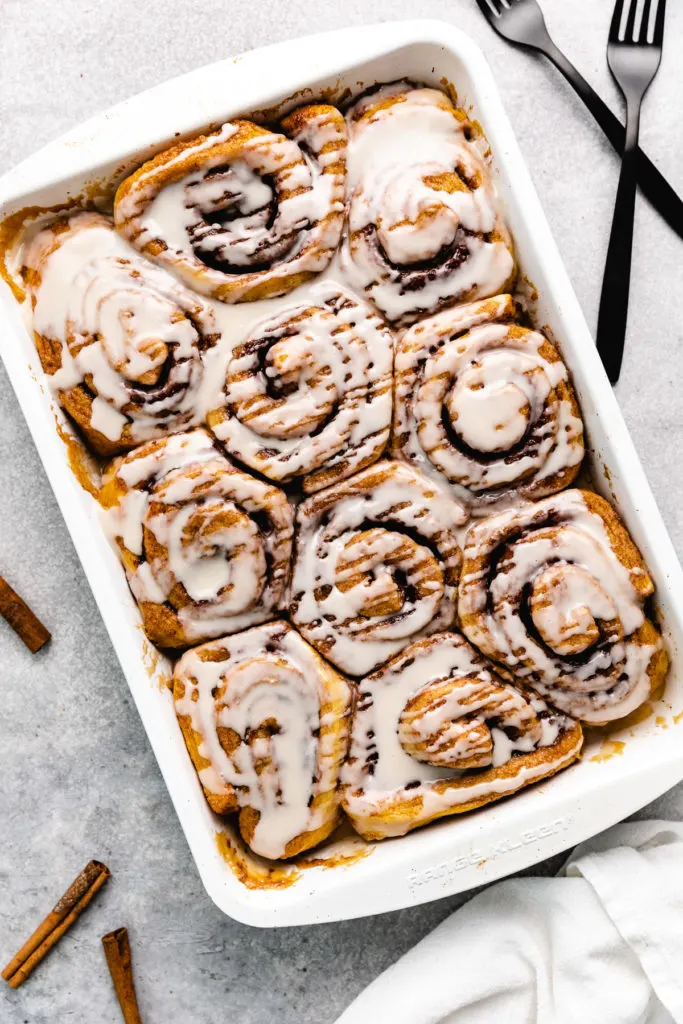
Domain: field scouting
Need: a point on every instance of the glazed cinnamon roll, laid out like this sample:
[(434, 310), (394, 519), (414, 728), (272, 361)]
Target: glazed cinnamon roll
[(123, 342), (424, 228), (376, 566), (243, 213), (555, 593), (485, 406), (437, 732), (205, 547), (266, 723), (308, 392)]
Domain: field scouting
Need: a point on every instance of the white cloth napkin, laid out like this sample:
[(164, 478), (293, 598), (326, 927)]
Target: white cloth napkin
[(600, 944)]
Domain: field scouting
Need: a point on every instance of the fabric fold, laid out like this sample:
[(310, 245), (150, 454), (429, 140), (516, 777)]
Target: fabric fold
[(602, 942)]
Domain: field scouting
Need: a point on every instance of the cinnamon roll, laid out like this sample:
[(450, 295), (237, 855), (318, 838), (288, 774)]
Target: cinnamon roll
[(243, 213), (424, 226), (485, 406), (266, 723), (308, 392), (123, 342), (437, 732), (555, 593), (376, 566), (205, 547)]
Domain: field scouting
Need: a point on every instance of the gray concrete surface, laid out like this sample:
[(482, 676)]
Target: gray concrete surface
[(78, 778)]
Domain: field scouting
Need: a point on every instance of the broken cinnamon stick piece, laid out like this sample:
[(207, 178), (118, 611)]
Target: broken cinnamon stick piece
[(22, 620), (117, 952), (59, 920)]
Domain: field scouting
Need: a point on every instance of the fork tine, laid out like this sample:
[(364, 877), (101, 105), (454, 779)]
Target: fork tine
[(616, 21), (488, 8), (658, 37), (629, 31), (644, 34)]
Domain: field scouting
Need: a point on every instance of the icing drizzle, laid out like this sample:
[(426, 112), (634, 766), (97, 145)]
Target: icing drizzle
[(485, 406), (244, 212), (376, 565), (424, 227), (206, 547), (125, 345), (308, 391), (434, 727), (271, 720), (555, 591)]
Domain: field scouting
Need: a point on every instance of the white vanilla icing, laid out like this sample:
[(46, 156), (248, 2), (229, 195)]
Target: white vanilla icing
[(472, 714), (268, 679), (554, 565), (222, 535), (127, 331), (376, 565), (309, 389), (424, 226), (243, 207), (477, 406)]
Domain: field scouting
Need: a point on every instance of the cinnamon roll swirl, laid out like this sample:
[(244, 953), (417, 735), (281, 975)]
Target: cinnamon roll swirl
[(243, 213), (376, 566), (205, 547), (308, 392), (123, 342), (555, 593), (266, 723), (436, 732), (485, 406), (424, 227)]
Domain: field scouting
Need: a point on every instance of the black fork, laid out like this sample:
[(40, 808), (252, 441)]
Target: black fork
[(522, 22), (634, 53)]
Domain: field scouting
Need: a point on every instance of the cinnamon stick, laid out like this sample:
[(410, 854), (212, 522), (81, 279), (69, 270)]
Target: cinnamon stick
[(117, 952), (22, 620), (59, 920)]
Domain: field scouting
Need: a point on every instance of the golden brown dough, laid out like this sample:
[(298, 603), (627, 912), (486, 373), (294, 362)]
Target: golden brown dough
[(555, 593), (123, 342), (307, 393), (266, 723), (243, 213), (377, 564), (425, 230), (436, 732), (485, 406), (206, 547)]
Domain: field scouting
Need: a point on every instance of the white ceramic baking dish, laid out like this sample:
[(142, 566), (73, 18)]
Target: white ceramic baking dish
[(617, 775)]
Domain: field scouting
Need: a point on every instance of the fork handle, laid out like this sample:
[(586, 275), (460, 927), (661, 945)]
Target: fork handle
[(652, 182), (617, 278)]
